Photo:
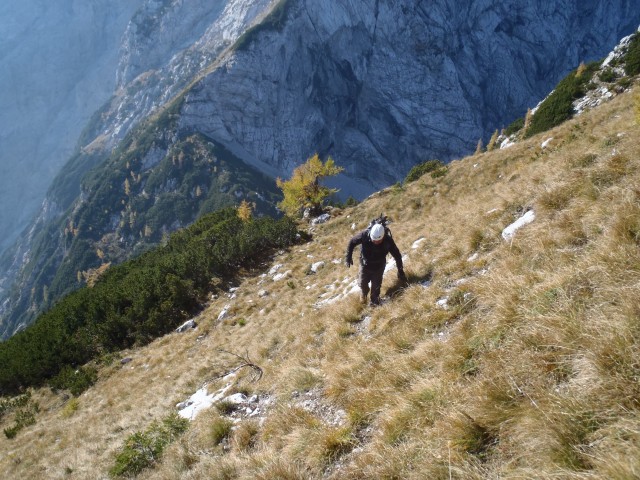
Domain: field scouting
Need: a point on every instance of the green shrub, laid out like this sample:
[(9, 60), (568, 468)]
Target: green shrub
[(226, 407), (624, 82), (143, 449), (435, 167), (137, 301), (275, 21), (631, 58), (25, 413), (74, 380), (607, 75), (350, 202), (515, 126), (558, 106)]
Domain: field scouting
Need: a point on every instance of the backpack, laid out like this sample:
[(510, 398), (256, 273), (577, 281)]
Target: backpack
[(381, 220)]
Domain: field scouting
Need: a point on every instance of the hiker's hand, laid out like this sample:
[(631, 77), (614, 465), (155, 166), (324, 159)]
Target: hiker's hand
[(402, 277), (348, 262)]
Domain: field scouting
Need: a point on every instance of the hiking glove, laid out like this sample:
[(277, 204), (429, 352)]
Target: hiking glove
[(402, 277)]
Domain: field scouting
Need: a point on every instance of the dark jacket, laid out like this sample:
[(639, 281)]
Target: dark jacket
[(374, 256)]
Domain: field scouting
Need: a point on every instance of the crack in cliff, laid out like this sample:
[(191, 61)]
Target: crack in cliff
[(306, 9)]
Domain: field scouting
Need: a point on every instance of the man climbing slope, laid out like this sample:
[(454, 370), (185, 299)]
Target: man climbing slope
[(375, 243)]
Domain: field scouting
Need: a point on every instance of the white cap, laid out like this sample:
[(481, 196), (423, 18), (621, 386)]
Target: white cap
[(377, 232)]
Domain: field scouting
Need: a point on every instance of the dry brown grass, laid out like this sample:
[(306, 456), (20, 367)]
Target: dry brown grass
[(531, 370)]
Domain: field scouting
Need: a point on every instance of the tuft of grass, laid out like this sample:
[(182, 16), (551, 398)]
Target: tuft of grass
[(611, 172), (470, 436), (70, 408), (220, 430), (304, 380), (245, 436), (226, 407), (397, 425), (332, 443)]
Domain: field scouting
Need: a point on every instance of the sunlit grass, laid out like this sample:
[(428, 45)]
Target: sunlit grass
[(502, 359)]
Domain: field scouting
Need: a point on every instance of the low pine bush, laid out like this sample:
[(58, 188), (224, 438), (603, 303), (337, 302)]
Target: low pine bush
[(515, 126), (435, 167), (74, 380), (25, 413), (143, 449), (558, 106), (632, 58)]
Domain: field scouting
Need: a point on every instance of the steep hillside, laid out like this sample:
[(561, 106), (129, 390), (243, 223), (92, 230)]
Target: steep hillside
[(514, 353), (158, 180), (379, 86), (272, 82)]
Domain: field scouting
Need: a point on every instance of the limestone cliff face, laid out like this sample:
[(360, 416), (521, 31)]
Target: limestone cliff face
[(167, 44), (381, 86)]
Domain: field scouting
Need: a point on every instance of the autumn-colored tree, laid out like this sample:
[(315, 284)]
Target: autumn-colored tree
[(303, 190), (493, 141), (527, 120), (478, 148), (245, 210), (581, 69)]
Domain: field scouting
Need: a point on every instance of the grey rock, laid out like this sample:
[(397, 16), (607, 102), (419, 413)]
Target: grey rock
[(189, 324), (325, 217), (236, 399)]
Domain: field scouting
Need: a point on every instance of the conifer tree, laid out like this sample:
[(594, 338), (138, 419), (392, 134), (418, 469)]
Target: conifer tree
[(245, 210), (527, 120), (303, 190), (492, 142), (478, 147)]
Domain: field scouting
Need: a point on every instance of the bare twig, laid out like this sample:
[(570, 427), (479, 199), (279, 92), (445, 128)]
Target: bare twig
[(247, 362)]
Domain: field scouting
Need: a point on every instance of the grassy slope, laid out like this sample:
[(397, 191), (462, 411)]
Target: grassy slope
[(532, 374)]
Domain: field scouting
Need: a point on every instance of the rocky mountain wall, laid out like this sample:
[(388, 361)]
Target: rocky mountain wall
[(381, 86)]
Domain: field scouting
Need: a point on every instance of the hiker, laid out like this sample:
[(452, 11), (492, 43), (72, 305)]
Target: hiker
[(375, 243)]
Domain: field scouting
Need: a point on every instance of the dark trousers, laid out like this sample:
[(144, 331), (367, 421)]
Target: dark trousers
[(373, 275)]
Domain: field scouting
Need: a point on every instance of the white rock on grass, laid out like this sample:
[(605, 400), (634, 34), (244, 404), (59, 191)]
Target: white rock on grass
[(321, 219), (236, 399), (280, 276), (199, 401), (224, 313), (526, 219), (392, 264), (186, 326), (443, 303), (417, 243), (317, 266), (275, 268)]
